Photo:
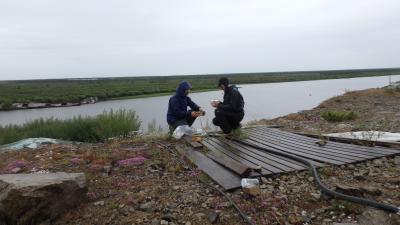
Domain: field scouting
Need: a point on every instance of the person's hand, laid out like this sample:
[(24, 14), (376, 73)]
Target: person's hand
[(215, 104), (194, 114), (201, 112)]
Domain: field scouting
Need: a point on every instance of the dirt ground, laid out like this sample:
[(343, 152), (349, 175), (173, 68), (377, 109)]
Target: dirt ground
[(160, 187)]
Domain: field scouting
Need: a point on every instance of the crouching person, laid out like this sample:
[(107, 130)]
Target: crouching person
[(178, 113), (230, 112)]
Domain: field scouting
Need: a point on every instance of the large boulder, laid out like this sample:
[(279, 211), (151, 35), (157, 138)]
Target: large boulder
[(33, 198)]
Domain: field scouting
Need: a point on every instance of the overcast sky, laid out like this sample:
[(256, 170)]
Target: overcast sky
[(96, 38)]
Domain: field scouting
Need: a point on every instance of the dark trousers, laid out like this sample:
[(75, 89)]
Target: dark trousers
[(227, 121), (189, 120)]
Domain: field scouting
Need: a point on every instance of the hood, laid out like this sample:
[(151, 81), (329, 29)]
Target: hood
[(183, 86), (230, 88)]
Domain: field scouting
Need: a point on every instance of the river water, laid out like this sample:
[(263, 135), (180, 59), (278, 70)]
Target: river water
[(261, 101)]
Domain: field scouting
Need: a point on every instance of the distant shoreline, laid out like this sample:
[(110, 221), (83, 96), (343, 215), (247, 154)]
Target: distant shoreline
[(34, 94)]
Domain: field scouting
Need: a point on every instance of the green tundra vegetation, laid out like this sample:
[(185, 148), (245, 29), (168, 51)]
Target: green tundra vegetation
[(338, 116), (84, 129), (75, 90)]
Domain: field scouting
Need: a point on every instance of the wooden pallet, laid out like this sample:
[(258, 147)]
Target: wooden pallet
[(279, 141)]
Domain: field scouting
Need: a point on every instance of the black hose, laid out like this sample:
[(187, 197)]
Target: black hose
[(324, 188), (245, 218)]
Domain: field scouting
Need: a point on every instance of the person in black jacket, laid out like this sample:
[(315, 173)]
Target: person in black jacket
[(230, 112), (178, 113)]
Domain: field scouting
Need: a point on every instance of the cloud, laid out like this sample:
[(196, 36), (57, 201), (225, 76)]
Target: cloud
[(48, 39)]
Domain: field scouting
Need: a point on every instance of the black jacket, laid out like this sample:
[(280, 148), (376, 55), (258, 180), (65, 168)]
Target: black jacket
[(233, 100)]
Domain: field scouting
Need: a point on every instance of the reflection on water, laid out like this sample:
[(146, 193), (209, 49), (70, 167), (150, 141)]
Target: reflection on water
[(261, 101)]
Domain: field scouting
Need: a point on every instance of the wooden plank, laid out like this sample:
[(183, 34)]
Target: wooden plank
[(249, 156), (235, 155), (382, 151), (225, 178), (194, 144), (364, 150), (387, 144), (238, 168), (312, 147), (296, 152), (259, 156), (339, 146), (294, 165)]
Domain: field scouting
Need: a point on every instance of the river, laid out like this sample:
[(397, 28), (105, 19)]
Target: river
[(261, 101)]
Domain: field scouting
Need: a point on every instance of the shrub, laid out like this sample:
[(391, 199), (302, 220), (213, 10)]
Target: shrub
[(338, 116), (85, 129)]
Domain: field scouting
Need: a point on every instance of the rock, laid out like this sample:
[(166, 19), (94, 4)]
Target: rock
[(188, 223), (344, 224), (311, 179), (351, 166), (359, 176), (253, 191), (155, 222), (349, 190), (265, 180), (327, 222), (394, 180), (213, 217), (293, 219), (16, 170), (375, 217), (107, 169), (316, 196), (147, 207), (33, 198), (377, 162), (176, 188), (371, 190), (199, 216), (124, 211), (343, 126), (168, 217), (397, 160), (99, 203), (164, 222)]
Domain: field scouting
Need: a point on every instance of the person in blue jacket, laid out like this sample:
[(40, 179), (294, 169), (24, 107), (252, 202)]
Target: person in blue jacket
[(178, 113)]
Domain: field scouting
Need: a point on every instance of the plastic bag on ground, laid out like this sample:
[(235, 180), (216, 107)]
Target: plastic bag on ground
[(31, 143), (186, 130)]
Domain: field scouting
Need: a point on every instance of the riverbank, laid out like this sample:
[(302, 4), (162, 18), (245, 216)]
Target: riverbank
[(162, 190), (31, 94), (374, 109)]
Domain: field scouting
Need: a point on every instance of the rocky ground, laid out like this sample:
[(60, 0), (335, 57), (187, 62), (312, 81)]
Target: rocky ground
[(144, 181)]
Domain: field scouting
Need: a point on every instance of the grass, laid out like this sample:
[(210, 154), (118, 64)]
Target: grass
[(84, 129), (75, 90), (338, 116)]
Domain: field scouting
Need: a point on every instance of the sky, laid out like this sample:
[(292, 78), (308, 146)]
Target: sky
[(44, 39)]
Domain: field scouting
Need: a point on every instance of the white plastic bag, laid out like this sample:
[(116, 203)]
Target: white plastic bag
[(186, 130)]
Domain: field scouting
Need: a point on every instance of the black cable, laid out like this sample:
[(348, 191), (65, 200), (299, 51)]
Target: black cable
[(230, 200), (325, 189)]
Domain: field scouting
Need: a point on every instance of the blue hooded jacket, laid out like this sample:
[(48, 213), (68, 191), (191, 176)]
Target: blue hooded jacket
[(178, 104)]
